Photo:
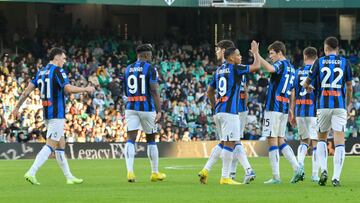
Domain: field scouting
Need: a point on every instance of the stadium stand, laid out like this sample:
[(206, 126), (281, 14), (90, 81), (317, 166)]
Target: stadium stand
[(185, 70)]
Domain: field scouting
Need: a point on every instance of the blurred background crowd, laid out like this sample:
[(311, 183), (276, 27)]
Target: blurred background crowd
[(185, 69)]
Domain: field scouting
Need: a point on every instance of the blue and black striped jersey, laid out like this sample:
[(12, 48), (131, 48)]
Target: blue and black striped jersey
[(138, 77), (278, 93), (305, 103), (242, 100), (51, 81), (226, 82), (329, 75)]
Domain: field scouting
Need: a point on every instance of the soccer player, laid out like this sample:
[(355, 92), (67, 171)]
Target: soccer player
[(276, 111), (225, 85), (332, 77), (143, 110), (216, 151), (53, 83), (305, 112)]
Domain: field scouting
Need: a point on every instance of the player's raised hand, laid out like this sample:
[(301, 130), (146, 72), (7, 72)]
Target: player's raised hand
[(90, 89), (254, 47)]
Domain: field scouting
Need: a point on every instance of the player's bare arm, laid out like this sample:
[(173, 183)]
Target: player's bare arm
[(292, 119), (270, 68), (349, 92), (73, 89), (211, 96), (22, 98), (154, 88)]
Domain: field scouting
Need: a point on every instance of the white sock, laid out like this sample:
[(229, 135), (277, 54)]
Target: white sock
[(40, 159), (214, 156), (130, 155), (240, 154), (302, 151), (289, 155), (315, 164), (339, 158), (153, 154), (61, 159), (227, 157), (322, 154), (274, 161), (233, 166)]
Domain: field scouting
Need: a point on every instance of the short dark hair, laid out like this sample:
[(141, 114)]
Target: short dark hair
[(144, 48), (277, 46), (310, 52), (56, 51), (332, 42), (224, 44), (229, 51)]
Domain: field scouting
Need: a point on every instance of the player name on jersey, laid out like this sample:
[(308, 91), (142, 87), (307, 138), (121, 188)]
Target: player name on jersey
[(135, 69), (329, 62), (223, 71)]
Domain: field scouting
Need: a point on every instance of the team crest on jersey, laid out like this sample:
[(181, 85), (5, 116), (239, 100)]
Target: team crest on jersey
[(169, 2), (64, 75)]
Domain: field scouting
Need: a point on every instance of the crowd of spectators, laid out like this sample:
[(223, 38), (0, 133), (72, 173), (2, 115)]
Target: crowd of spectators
[(184, 69)]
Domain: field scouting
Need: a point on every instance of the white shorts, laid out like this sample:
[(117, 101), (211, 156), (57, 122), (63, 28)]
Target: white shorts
[(331, 118), (307, 127), (55, 129), (274, 124), (227, 128), (137, 120), (243, 122)]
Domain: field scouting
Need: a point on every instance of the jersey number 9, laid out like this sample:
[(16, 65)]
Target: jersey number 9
[(222, 86)]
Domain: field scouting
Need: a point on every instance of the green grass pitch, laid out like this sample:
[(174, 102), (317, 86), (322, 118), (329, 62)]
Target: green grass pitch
[(105, 181)]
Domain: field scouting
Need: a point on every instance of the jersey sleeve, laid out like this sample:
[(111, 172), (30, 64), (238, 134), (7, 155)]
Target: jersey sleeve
[(242, 69), (245, 79), (348, 71), (154, 77), (314, 70), (34, 79), (278, 67), (296, 80), (61, 77), (212, 83)]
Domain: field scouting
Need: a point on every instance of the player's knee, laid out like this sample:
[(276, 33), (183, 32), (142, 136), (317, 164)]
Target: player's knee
[(230, 144), (322, 136), (272, 141), (53, 144), (281, 141), (150, 138), (131, 135), (305, 141)]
